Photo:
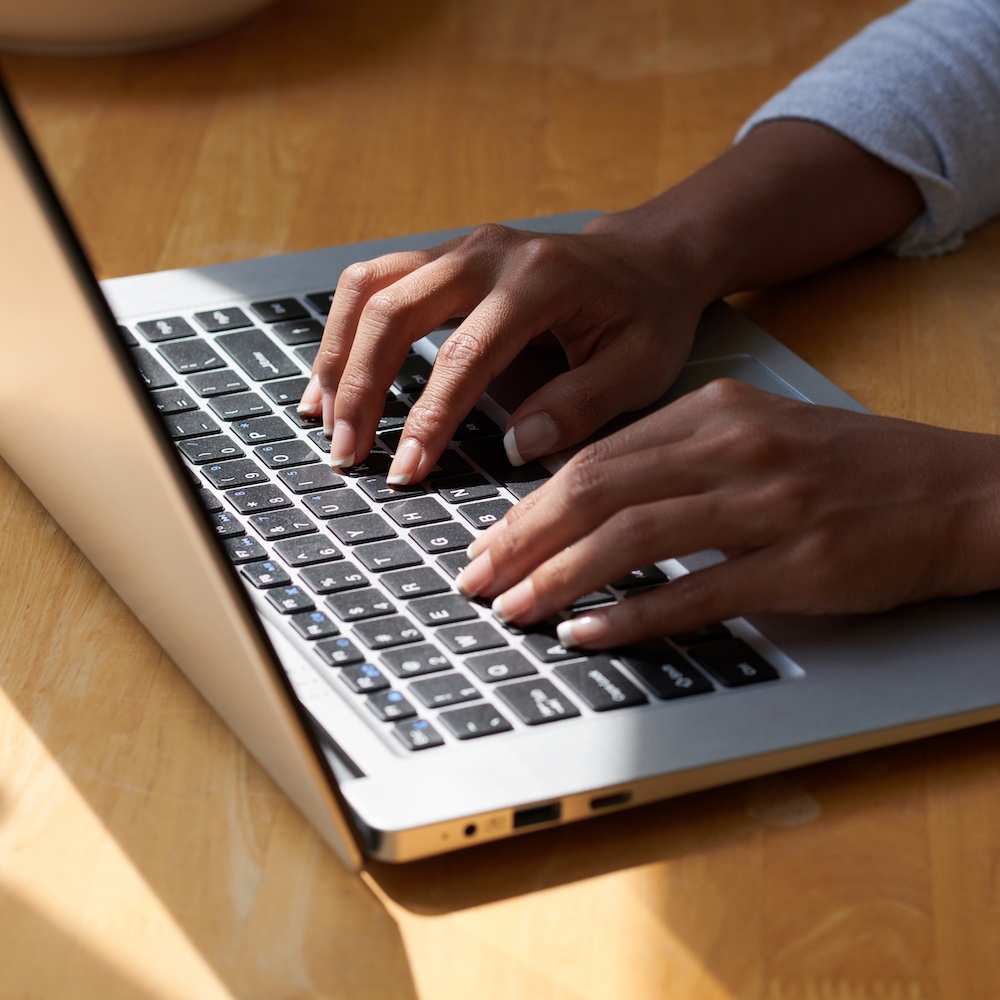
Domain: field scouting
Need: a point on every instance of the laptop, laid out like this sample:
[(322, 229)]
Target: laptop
[(315, 609)]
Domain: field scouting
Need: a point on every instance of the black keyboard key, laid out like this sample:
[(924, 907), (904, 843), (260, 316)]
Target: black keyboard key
[(321, 301), (361, 528), (282, 524), (307, 551), (335, 503), (732, 662), (275, 310), (265, 575), (413, 375), (476, 425), (172, 401), (263, 430), (453, 562), (448, 466), (219, 320), (242, 471), (394, 415), (216, 383), (664, 670), (285, 454), (376, 464), (298, 419), (483, 513), (251, 499), (544, 645), (294, 332), (592, 600), (225, 525), (645, 576), (313, 625), (380, 491), (445, 690), (188, 425), (441, 609), (474, 721), (286, 391), (310, 478), (417, 734), (202, 451), (470, 637), (383, 633), (357, 605), (245, 549), (290, 599), (415, 582), (307, 355), (381, 557), (415, 661), (171, 328), (257, 355), (416, 511), (462, 489), (187, 356), (522, 488), (391, 438), (209, 500), (600, 684), (152, 373), (238, 406), (489, 453), (364, 678), (448, 537), (501, 665), (537, 701), (334, 578), (128, 336), (339, 652), (707, 633)]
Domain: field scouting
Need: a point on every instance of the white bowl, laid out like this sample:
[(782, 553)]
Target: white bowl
[(100, 27)]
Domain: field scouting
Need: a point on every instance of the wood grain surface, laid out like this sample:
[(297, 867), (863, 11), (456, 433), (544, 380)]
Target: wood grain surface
[(143, 854)]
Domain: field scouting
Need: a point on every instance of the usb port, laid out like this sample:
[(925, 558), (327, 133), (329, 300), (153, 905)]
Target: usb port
[(607, 801), (537, 814)]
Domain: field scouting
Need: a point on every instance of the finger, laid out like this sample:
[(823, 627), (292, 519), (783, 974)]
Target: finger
[(743, 586)]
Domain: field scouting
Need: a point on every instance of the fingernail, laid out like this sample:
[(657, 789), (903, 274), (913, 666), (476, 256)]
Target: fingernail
[(516, 603), (482, 542), (343, 446), (476, 577), (329, 405), (576, 632), (310, 400), (537, 434), (405, 462)]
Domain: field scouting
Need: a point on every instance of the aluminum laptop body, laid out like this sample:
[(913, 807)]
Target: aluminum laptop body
[(99, 459)]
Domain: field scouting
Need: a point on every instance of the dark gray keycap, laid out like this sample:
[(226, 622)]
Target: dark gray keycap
[(448, 537), (364, 678), (202, 451), (252, 499), (644, 576), (417, 734), (152, 373), (448, 466), (320, 301), (263, 430), (489, 453), (360, 528), (308, 550), (187, 356), (444, 690), (288, 390), (600, 684), (413, 375), (592, 600), (416, 511), (339, 652), (376, 464), (415, 582), (265, 574), (257, 355), (441, 609), (357, 605), (379, 490), (281, 524), (241, 471), (474, 721), (537, 701), (225, 524), (238, 406), (216, 383), (382, 633), (547, 648), (663, 669), (307, 355), (335, 503), (301, 331), (732, 662), (333, 578), (313, 625), (415, 661), (245, 549), (707, 633), (394, 415), (501, 665), (170, 328), (188, 425), (127, 335), (310, 478), (470, 637), (219, 320), (285, 454), (485, 512), (209, 500), (453, 562), (476, 425), (274, 310), (462, 489), (290, 599), (384, 556), (172, 401)]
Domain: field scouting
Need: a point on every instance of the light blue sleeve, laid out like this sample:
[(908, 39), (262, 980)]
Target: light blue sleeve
[(920, 89)]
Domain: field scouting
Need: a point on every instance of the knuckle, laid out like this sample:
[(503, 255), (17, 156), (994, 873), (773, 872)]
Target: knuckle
[(541, 251), (384, 307), (490, 234), (583, 481), (428, 415), (357, 277), (722, 393), (462, 349)]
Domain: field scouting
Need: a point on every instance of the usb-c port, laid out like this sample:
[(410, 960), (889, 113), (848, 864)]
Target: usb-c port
[(537, 814)]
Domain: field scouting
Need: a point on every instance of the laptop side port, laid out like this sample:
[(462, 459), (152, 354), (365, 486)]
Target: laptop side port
[(609, 801), (537, 814)]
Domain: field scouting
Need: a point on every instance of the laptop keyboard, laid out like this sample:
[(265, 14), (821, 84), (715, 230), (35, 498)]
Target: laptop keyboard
[(362, 573)]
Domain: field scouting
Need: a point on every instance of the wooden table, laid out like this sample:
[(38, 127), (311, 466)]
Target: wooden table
[(143, 854)]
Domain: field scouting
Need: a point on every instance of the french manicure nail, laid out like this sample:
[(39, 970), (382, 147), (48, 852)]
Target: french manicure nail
[(476, 577), (482, 542), (311, 395), (405, 462), (577, 632), (329, 405), (516, 603), (534, 435), (343, 446)]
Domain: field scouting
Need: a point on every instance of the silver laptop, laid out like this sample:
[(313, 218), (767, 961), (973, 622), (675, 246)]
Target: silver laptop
[(316, 610)]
